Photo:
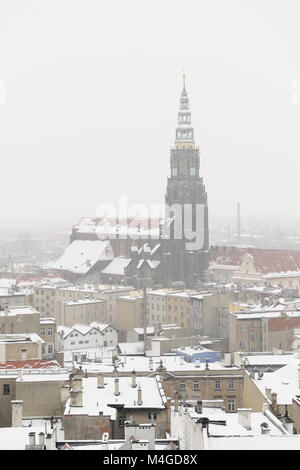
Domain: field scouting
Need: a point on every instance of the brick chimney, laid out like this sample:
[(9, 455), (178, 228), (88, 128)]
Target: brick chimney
[(139, 402), (133, 379), (100, 381), (16, 413), (176, 400), (42, 439), (76, 390), (244, 417), (117, 389), (32, 438)]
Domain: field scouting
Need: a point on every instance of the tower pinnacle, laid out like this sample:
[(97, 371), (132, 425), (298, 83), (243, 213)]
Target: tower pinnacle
[(184, 130)]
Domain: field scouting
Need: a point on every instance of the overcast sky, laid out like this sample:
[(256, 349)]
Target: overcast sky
[(89, 94)]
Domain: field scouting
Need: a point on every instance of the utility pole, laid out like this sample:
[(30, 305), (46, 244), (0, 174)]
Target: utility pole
[(145, 318)]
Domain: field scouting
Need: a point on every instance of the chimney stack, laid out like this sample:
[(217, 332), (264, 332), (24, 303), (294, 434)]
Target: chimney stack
[(133, 379), (199, 407), (42, 439), (32, 438), (274, 399), (117, 390), (76, 390), (197, 362), (20, 374), (176, 400), (206, 364), (16, 413), (100, 381), (139, 402), (244, 417)]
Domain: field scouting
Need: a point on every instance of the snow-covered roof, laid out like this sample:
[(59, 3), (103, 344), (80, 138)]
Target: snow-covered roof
[(81, 255), (274, 314), (132, 348), (282, 274), (136, 360), (106, 227), (12, 311), (16, 438), (17, 338), (283, 381), (96, 400), (116, 266), (82, 301)]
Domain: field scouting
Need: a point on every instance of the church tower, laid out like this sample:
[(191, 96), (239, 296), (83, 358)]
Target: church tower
[(186, 199)]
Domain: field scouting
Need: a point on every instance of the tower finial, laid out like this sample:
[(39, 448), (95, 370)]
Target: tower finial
[(183, 77)]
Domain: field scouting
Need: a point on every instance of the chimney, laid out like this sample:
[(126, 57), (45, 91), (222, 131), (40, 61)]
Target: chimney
[(50, 444), (244, 417), (176, 400), (133, 379), (76, 398), (16, 413), (198, 407), (32, 438), (42, 439), (197, 362), (64, 393), (274, 398), (117, 390), (100, 381), (268, 393), (206, 364), (139, 402), (20, 374)]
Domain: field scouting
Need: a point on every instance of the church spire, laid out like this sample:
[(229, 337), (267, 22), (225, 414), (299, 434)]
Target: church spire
[(184, 130)]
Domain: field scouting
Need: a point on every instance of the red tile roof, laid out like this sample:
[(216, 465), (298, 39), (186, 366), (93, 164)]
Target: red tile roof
[(265, 261), (30, 364)]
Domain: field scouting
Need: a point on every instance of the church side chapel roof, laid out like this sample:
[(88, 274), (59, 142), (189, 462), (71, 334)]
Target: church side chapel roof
[(265, 261), (81, 255), (117, 266)]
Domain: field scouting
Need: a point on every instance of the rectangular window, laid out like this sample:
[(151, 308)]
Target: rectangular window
[(50, 332), (42, 331), (217, 385), (196, 385), (231, 405), (6, 389), (231, 385), (182, 385), (50, 348)]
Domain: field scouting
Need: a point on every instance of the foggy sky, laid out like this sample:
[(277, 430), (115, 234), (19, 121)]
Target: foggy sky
[(92, 94)]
